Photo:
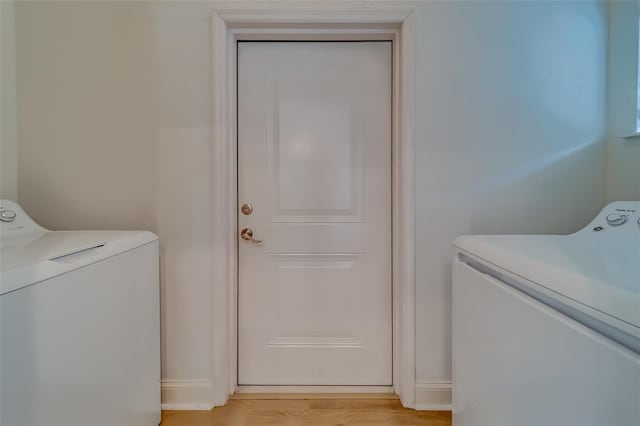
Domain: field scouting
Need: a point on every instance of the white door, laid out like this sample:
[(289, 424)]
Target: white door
[(314, 163)]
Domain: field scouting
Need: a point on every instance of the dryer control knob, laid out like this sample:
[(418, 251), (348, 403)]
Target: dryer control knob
[(7, 215), (616, 219)]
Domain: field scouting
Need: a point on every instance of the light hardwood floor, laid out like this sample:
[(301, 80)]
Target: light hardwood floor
[(317, 411)]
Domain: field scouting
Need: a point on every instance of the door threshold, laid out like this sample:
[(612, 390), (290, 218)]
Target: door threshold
[(314, 392)]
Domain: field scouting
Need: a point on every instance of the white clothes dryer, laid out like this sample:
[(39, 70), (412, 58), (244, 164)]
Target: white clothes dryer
[(546, 329), (79, 325)]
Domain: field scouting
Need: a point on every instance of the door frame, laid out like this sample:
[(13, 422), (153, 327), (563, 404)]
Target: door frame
[(381, 21)]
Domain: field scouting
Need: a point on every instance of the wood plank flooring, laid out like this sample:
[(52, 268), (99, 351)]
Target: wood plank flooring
[(316, 411)]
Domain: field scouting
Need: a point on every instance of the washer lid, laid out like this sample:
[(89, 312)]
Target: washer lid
[(32, 257), (594, 270)]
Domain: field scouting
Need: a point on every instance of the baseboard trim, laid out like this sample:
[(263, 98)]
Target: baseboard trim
[(241, 389), (200, 395), (434, 396), (279, 396), (205, 395)]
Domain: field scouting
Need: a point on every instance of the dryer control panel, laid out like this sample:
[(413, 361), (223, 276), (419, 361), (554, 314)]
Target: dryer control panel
[(622, 215), (14, 220)]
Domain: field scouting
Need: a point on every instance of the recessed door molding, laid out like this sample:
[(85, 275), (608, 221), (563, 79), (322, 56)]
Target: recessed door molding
[(344, 22)]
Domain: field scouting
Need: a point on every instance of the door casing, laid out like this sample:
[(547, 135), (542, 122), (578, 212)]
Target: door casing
[(334, 23)]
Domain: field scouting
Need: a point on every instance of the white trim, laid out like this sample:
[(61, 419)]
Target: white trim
[(404, 281), (434, 396), (379, 21), (315, 389), (188, 394), (224, 221), (243, 18)]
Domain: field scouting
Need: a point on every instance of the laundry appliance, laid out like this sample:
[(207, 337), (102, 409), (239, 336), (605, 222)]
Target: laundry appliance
[(546, 329), (79, 325)]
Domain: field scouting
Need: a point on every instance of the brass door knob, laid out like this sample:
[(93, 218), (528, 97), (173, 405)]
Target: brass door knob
[(247, 235)]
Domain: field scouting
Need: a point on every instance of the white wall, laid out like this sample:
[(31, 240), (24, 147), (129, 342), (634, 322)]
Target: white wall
[(511, 127), (114, 114), (623, 171), (8, 137)]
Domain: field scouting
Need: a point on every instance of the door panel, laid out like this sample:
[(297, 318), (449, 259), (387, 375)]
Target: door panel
[(314, 161)]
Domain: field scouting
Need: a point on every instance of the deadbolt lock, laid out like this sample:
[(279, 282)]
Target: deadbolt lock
[(247, 209)]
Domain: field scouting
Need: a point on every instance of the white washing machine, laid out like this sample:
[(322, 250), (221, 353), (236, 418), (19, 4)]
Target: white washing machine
[(546, 329), (79, 325)]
